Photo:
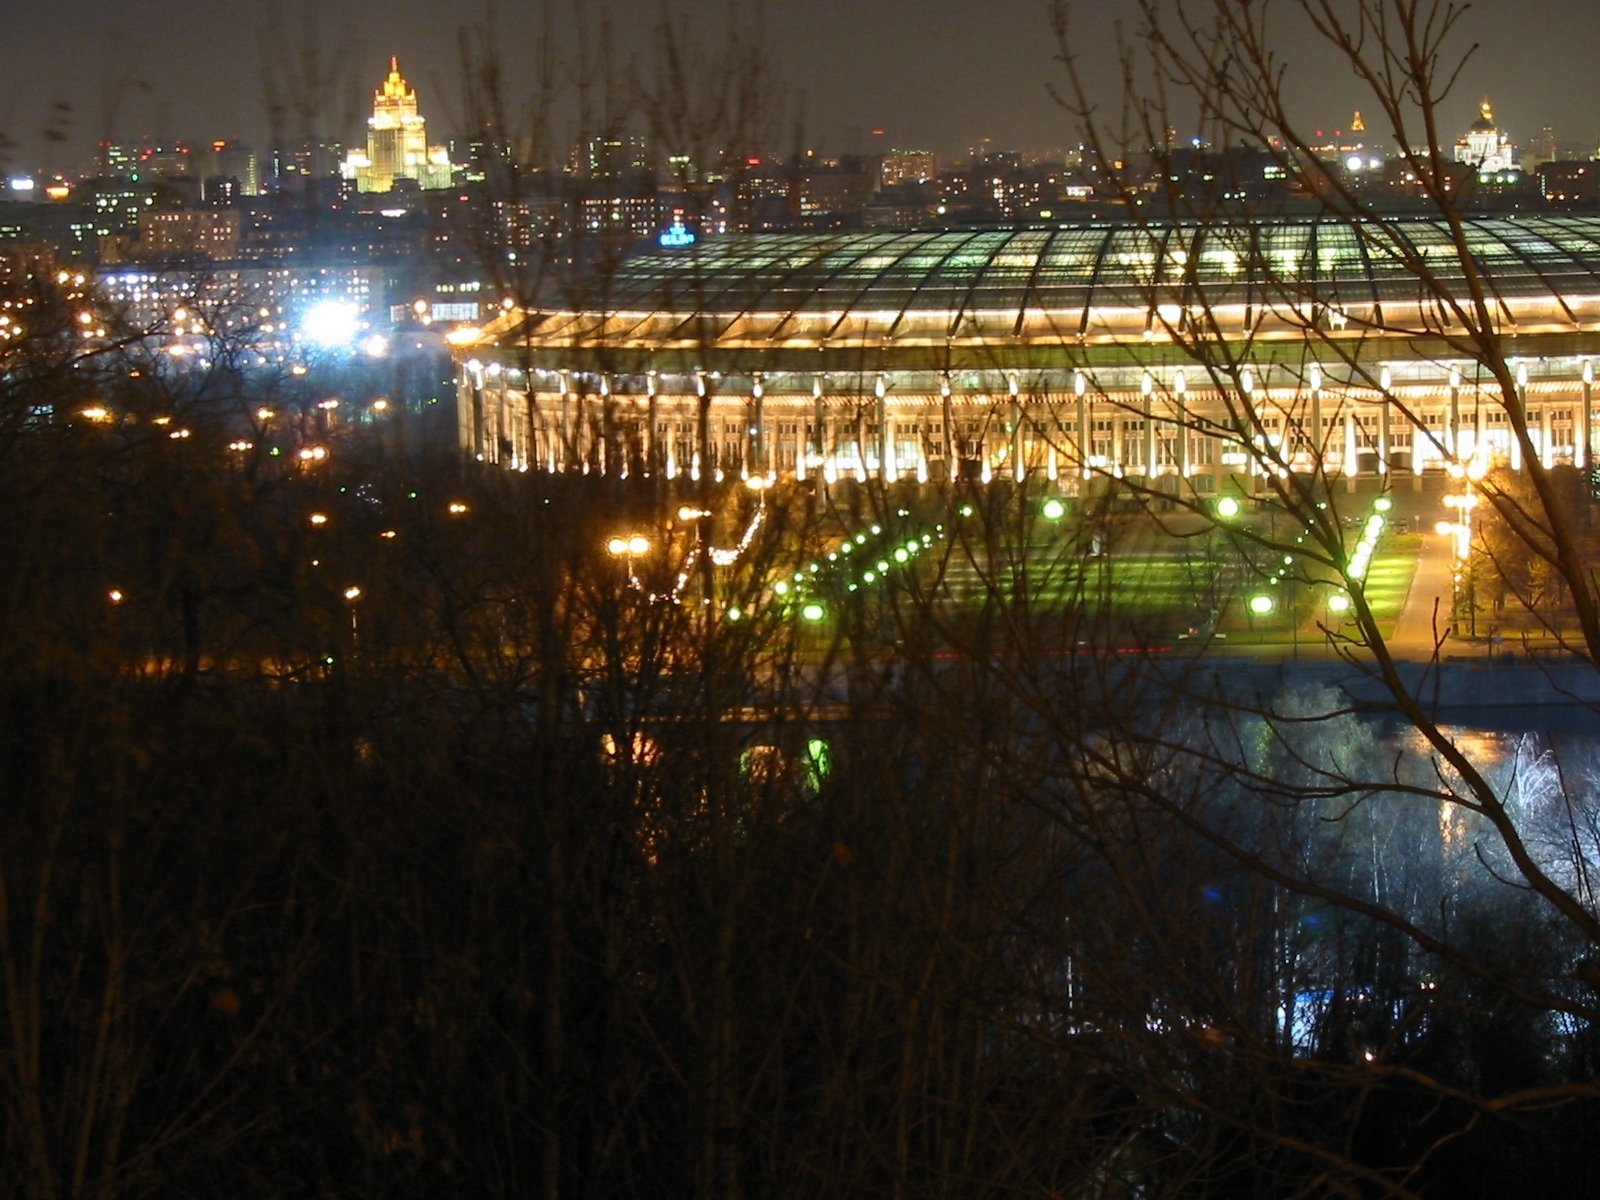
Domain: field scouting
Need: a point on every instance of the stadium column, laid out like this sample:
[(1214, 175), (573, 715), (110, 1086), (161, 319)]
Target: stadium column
[(819, 429), (1452, 433), (1080, 385), (1546, 445), (1385, 403), (952, 467), (880, 416), (608, 428), (1147, 429), (1318, 433), (564, 427), (756, 450), (1586, 419), (652, 409), (1350, 460), (1018, 467), (1180, 429), (1522, 413)]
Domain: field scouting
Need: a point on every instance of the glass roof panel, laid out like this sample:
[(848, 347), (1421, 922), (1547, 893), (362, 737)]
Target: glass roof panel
[(1100, 265)]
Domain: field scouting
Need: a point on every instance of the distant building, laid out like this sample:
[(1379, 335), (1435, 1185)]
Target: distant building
[(611, 155), (1485, 148), (299, 166), (908, 166), (147, 295), (230, 160), (397, 142), (1569, 181), (189, 233)]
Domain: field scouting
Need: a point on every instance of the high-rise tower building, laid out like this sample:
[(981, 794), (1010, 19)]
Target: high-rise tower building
[(397, 142)]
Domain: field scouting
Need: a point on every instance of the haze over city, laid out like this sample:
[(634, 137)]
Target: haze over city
[(935, 74)]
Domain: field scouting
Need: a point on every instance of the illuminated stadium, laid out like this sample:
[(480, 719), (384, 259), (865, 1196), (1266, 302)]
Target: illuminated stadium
[(1061, 352)]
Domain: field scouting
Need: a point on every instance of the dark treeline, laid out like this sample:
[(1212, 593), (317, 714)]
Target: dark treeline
[(504, 876)]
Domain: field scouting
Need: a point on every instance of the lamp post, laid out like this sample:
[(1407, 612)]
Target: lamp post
[(628, 547)]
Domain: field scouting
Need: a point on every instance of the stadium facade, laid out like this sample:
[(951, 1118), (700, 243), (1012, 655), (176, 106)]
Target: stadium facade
[(1176, 355)]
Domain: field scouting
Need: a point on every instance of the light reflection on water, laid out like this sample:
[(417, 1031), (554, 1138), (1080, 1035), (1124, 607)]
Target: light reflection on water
[(1495, 737)]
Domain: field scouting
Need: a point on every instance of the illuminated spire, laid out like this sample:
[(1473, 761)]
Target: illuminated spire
[(1357, 125)]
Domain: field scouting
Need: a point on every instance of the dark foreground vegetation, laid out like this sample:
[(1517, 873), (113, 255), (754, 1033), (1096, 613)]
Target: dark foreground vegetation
[(368, 830)]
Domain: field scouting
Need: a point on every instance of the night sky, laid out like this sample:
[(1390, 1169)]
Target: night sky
[(938, 74)]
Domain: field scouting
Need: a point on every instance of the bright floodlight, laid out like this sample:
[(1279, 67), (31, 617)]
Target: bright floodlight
[(1227, 507), (331, 323), (1261, 605), (812, 611), (1054, 510)]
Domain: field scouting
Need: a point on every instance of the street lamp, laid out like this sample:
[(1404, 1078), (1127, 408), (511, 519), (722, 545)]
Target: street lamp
[(351, 595), (628, 547)]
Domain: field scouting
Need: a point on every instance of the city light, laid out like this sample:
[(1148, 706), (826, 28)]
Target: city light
[(331, 323)]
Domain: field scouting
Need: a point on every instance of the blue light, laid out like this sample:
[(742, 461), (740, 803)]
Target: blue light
[(676, 234)]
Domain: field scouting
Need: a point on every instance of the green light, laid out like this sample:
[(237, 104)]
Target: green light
[(846, 547), (900, 555), (1227, 508), (781, 587), (819, 762), (832, 557), (812, 611), (814, 568), (861, 539), (1054, 510), (876, 530), (1288, 560), (1382, 504), (870, 577), (966, 510), (736, 614), (1260, 605), (1338, 602), (883, 564), (851, 587)]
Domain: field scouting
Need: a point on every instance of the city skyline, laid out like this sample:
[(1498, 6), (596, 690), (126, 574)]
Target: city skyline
[(892, 77)]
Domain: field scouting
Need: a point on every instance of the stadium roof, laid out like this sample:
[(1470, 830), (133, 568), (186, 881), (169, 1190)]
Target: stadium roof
[(1028, 294), (1067, 268)]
